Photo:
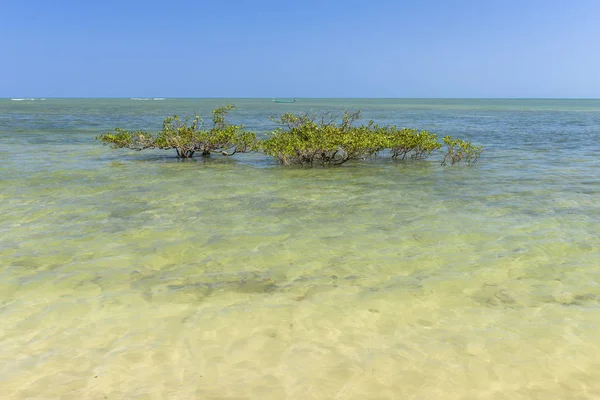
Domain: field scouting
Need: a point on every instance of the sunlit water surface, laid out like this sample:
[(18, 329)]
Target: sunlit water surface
[(131, 275)]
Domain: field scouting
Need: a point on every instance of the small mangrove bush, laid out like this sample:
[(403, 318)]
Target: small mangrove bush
[(458, 150), (187, 137)]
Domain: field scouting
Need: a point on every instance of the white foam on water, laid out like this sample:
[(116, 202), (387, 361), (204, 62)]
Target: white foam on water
[(147, 98)]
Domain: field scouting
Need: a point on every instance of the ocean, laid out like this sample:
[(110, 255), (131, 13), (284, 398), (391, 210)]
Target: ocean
[(133, 275)]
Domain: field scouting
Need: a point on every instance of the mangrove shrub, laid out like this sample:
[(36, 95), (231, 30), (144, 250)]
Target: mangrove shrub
[(187, 137), (458, 150), (307, 139)]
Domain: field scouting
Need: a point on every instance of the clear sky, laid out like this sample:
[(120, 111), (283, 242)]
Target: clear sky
[(304, 48)]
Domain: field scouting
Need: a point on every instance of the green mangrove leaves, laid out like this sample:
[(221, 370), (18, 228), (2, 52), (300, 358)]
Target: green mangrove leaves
[(187, 137), (304, 139)]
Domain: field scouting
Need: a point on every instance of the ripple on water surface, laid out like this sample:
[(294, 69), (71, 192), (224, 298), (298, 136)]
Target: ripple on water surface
[(126, 275)]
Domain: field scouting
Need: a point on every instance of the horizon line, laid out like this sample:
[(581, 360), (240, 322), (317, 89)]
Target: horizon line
[(304, 98)]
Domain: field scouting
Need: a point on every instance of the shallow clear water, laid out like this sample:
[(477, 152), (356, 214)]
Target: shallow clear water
[(131, 275)]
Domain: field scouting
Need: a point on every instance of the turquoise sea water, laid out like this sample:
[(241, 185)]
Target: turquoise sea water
[(132, 275)]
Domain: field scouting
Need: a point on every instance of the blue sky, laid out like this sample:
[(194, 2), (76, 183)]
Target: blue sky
[(264, 48)]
